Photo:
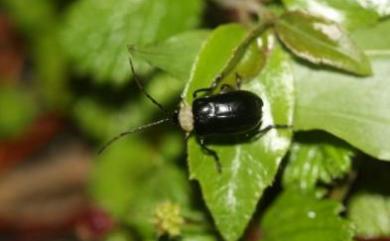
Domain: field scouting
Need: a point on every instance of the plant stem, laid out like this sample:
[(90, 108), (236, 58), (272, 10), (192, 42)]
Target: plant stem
[(241, 49)]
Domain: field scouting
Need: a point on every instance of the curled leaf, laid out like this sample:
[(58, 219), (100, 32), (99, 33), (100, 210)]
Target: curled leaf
[(321, 41)]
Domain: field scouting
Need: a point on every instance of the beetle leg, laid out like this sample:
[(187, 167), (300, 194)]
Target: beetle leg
[(187, 136), (203, 90), (209, 89), (266, 129), (238, 81), (216, 81), (212, 153)]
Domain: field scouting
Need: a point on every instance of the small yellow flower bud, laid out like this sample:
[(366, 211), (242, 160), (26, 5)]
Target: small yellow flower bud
[(168, 219)]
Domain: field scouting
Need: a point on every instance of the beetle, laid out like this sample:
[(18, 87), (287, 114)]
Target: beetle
[(231, 112)]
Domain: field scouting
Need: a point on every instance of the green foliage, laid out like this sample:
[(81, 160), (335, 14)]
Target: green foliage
[(296, 216), (316, 159), (352, 14), (352, 108), (369, 203), (321, 42), (120, 173), (51, 70), (325, 91), (247, 168), (18, 109), (118, 236), (174, 55), (40, 22), (371, 214), (200, 238), (103, 122), (31, 17), (380, 7), (97, 31), (374, 40)]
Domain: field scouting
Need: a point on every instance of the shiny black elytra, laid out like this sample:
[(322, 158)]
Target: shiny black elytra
[(233, 112)]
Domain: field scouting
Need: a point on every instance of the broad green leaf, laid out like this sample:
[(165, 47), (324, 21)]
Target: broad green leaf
[(354, 109), (321, 41), (316, 158), (174, 55), (374, 40), (18, 109), (295, 216), (370, 212), (97, 32), (131, 178), (247, 168), (382, 7), (352, 14)]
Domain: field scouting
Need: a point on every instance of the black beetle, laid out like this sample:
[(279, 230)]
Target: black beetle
[(237, 112), (229, 113)]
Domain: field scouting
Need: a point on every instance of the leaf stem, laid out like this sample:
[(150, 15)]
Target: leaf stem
[(239, 52)]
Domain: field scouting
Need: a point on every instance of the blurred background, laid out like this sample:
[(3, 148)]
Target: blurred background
[(65, 89)]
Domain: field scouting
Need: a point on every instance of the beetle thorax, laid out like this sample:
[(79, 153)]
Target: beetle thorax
[(185, 117)]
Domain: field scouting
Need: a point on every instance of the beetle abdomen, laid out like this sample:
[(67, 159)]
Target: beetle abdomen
[(234, 112)]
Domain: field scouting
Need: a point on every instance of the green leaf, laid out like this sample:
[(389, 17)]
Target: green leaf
[(167, 183), (374, 40), (18, 109), (123, 169), (116, 171), (369, 204), (321, 41), (316, 158), (379, 6), (352, 14), (370, 213), (97, 32), (295, 216), (203, 73), (353, 109), (247, 168), (174, 55)]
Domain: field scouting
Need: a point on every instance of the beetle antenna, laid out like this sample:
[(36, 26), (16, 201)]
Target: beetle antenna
[(125, 133), (142, 88)]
